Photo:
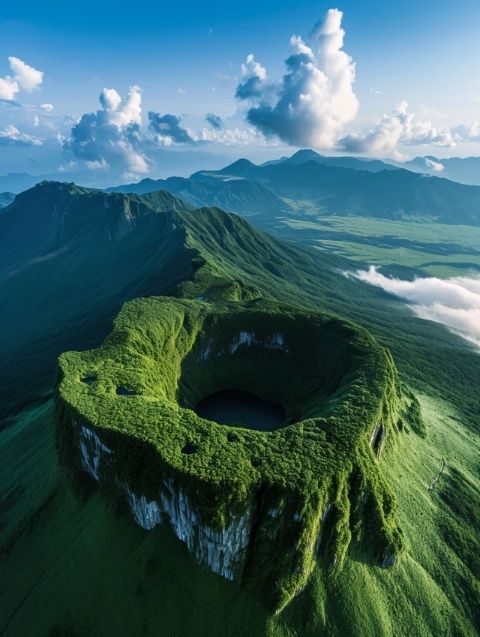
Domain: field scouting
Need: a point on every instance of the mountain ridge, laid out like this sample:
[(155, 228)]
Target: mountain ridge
[(330, 190)]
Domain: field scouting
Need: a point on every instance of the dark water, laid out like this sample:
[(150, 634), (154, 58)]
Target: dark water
[(234, 407)]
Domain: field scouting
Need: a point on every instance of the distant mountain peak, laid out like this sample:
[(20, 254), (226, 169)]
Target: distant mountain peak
[(305, 154), (241, 165), (55, 187)]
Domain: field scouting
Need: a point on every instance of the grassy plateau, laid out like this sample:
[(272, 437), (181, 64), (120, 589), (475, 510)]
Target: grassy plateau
[(73, 562)]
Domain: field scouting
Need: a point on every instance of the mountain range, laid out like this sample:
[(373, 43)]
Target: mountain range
[(465, 170), (305, 184)]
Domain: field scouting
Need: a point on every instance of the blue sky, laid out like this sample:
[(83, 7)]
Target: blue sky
[(186, 57)]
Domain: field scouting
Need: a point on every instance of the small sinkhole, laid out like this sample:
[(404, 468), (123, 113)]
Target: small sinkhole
[(89, 379), (125, 391), (241, 409), (189, 448)]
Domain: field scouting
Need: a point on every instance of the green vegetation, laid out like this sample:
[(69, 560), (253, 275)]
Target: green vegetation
[(352, 187), (406, 247), (341, 400), (74, 566)]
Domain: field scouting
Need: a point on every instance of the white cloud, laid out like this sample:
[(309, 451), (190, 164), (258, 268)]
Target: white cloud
[(47, 107), (254, 79), (454, 302), (26, 76), (110, 99), (11, 136), (315, 99), (434, 166), (469, 132), (232, 136), (398, 127), (168, 130), (23, 78), (111, 136), (97, 165), (8, 88)]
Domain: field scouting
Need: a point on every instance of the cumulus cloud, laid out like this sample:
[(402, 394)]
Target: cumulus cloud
[(23, 78), (254, 79), (398, 127), (215, 121), (454, 302), (47, 107), (8, 88), (111, 136), (315, 99), (169, 130), (11, 136), (26, 76)]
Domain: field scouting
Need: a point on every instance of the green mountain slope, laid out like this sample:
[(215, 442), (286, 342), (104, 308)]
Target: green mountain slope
[(307, 183), (389, 194), (69, 257), (234, 194)]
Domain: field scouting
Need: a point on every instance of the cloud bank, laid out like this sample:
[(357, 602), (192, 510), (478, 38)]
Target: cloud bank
[(11, 136), (111, 136), (398, 127), (469, 132), (314, 101), (454, 302), (23, 78)]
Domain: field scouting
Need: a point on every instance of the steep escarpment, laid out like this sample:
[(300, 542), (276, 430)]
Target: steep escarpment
[(261, 508)]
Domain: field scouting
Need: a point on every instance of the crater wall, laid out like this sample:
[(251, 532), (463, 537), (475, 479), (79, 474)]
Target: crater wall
[(260, 508)]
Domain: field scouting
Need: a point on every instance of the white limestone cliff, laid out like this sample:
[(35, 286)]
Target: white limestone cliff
[(221, 549)]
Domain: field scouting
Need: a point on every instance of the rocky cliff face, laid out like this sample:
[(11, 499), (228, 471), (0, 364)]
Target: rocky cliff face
[(261, 508), (222, 550)]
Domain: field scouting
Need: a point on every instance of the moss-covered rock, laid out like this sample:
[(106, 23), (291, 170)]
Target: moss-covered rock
[(256, 506)]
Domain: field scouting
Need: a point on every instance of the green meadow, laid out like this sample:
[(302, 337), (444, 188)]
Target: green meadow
[(434, 249)]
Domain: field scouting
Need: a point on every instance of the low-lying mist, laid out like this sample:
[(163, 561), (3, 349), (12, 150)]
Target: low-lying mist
[(454, 302)]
